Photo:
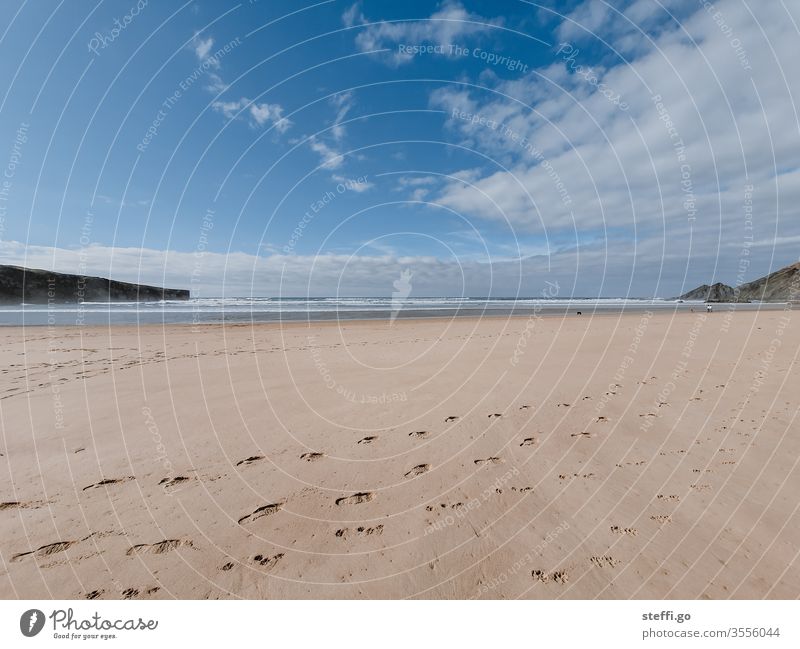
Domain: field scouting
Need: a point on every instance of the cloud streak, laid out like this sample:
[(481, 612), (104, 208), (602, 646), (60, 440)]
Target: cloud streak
[(451, 24), (257, 114)]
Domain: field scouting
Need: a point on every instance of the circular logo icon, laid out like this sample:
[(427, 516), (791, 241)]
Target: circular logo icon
[(31, 622)]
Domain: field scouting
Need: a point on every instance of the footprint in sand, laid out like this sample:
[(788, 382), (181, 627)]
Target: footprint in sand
[(14, 504), (250, 460), (45, 550), (661, 518), (94, 594), (605, 561), (528, 441), (418, 470), (167, 545), (266, 510), (360, 531), (494, 415), (107, 482), (540, 575), (369, 531), (356, 499), (450, 418), (673, 497), (524, 407), (228, 566), (559, 576), (368, 439), (130, 593), (268, 562), (312, 457), (628, 531), (420, 434), (171, 482), (488, 460), (581, 435)]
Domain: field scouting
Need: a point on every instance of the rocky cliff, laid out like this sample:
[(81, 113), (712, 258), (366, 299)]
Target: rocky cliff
[(33, 286), (781, 286)]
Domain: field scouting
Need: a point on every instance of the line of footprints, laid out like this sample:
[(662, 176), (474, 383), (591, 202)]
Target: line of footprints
[(268, 562)]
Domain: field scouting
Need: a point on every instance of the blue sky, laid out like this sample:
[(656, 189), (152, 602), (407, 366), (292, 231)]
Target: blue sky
[(628, 148)]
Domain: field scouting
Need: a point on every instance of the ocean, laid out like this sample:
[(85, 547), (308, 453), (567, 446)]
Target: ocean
[(274, 309)]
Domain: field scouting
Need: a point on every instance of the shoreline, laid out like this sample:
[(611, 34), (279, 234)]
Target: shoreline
[(406, 315)]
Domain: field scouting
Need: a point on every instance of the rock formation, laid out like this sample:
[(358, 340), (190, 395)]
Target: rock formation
[(33, 286), (781, 286)]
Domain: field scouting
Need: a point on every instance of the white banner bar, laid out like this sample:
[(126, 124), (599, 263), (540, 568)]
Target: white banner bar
[(334, 624)]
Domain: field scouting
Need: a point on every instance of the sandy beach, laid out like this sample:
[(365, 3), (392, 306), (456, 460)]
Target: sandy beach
[(622, 456)]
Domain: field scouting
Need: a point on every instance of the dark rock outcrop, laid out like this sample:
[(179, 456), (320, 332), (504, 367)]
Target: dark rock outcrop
[(781, 286), (34, 286), (716, 293)]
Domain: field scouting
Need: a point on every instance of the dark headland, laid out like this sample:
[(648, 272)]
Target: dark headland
[(781, 286), (35, 286)]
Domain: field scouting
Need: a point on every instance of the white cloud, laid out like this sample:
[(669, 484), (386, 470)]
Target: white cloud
[(353, 184), (343, 104), (202, 48), (415, 181), (353, 16), (258, 114), (230, 108), (624, 24), (331, 158), (242, 274), (419, 186), (587, 18), (485, 268), (621, 169), (273, 113), (450, 24), (216, 84)]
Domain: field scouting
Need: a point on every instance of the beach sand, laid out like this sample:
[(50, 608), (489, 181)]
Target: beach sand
[(621, 456)]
